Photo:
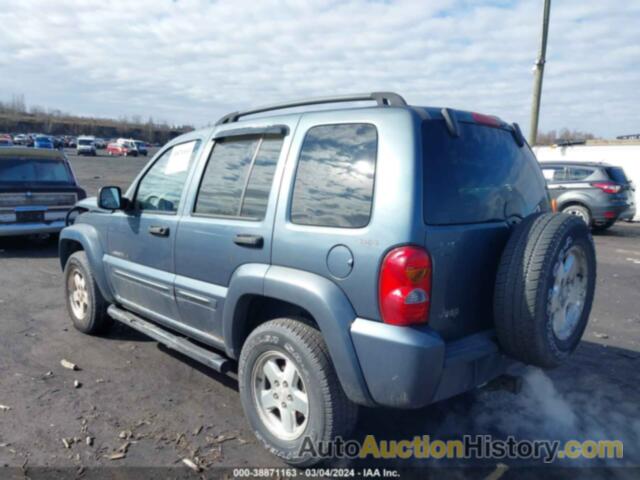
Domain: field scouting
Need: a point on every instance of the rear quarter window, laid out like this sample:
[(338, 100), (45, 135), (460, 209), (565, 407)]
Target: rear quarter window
[(617, 174), (477, 176), (335, 174)]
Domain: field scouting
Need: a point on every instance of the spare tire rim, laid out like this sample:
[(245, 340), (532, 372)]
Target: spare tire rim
[(280, 395), (569, 291)]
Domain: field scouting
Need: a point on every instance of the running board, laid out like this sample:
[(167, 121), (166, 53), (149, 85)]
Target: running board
[(170, 340)]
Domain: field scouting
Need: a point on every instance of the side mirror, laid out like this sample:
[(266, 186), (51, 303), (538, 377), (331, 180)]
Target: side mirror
[(110, 198)]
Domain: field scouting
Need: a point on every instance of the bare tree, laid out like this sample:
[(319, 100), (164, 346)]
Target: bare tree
[(552, 136)]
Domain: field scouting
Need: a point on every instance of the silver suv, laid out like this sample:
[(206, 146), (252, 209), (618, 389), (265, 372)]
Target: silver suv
[(386, 255)]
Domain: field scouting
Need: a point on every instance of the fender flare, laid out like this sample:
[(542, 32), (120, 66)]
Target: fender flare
[(322, 298), (570, 198), (87, 236)]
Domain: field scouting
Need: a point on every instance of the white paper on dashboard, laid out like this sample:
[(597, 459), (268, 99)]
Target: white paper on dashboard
[(179, 159)]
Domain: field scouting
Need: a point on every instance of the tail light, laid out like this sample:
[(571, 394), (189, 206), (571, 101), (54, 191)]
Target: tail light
[(405, 286), (607, 187), (554, 205)]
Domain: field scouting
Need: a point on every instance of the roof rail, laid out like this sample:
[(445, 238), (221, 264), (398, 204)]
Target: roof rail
[(383, 99)]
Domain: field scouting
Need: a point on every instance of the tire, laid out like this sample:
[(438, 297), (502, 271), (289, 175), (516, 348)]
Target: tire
[(89, 311), (579, 211), (329, 412), (541, 312)]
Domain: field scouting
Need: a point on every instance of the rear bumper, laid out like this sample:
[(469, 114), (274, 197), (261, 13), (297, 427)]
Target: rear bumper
[(410, 367), (628, 214), (607, 213), (15, 229)]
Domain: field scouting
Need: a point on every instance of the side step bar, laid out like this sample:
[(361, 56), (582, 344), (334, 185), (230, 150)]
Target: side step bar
[(170, 340)]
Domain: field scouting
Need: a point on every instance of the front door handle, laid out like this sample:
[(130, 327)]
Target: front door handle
[(251, 241), (159, 231)]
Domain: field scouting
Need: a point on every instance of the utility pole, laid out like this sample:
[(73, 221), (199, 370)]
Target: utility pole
[(538, 72)]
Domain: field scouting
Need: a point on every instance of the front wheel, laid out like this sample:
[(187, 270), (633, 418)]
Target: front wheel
[(290, 392), (85, 304)]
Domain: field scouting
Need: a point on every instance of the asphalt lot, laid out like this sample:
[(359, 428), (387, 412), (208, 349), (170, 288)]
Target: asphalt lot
[(160, 407)]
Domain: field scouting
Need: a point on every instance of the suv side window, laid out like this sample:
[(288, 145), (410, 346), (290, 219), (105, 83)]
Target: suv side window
[(578, 173), (552, 173), (237, 180), (334, 177), (161, 187)]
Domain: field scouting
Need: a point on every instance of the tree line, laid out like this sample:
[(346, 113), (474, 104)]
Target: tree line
[(564, 135), (17, 117)]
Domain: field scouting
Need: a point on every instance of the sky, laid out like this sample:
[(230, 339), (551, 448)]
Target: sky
[(191, 61)]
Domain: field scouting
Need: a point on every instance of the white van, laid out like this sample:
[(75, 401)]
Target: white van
[(86, 145)]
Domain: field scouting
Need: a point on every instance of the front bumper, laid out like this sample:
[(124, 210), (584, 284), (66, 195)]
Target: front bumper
[(411, 367), (16, 229)]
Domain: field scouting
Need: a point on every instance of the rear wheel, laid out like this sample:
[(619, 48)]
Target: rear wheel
[(290, 391), (544, 289), (85, 304), (579, 211)]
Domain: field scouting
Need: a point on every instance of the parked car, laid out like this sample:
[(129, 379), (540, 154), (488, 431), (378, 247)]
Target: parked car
[(58, 142), (100, 143), (21, 139), (6, 140), (86, 146), (141, 147), (597, 193), (37, 189), (70, 142), (42, 141), (383, 256), (122, 147)]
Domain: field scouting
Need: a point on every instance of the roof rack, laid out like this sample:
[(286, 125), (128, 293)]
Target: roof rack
[(383, 99)]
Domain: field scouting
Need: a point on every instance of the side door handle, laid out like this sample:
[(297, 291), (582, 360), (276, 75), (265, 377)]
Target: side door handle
[(246, 240), (159, 231)]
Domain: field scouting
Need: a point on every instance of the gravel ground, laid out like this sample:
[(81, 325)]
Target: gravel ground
[(142, 405)]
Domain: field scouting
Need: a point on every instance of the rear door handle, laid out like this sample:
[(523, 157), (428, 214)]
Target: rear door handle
[(159, 231), (251, 241)]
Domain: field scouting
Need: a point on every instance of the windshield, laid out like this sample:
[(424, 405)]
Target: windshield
[(84, 142), (480, 176), (33, 170)]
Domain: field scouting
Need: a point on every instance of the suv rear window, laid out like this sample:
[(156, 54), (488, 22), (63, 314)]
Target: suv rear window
[(617, 174), (471, 178)]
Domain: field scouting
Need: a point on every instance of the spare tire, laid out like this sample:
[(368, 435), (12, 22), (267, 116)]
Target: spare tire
[(544, 288)]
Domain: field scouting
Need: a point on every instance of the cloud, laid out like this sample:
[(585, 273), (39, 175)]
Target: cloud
[(190, 61)]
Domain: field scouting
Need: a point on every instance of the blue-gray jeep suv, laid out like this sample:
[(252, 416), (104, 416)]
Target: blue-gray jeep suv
[(387, 255)]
